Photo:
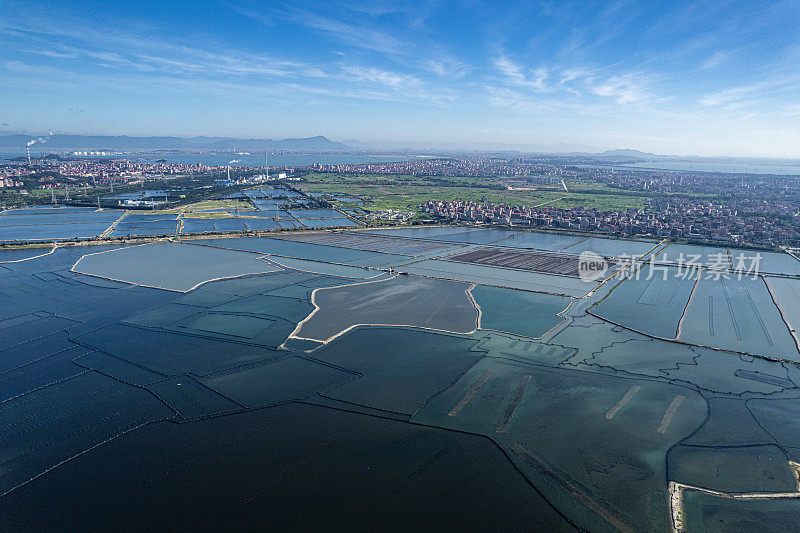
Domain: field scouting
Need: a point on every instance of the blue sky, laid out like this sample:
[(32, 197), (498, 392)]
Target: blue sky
[(706, 78)]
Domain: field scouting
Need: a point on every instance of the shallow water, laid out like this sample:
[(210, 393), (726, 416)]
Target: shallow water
[(707, 513), (173, 266), (401, 301), (524, 313), (651, 302), (738, 315)]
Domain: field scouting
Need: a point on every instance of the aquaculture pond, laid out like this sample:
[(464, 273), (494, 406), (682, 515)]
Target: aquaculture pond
[(345, 379), (524, 313)]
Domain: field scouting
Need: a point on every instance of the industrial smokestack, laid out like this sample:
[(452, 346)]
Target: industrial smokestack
[(229, 168), (31, 143)]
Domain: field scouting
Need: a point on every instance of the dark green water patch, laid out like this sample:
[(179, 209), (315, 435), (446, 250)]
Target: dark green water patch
[(737, 469), (781, 417), (719, 371), (290, 467), (292, 378), (290, 309), (525, 350), (601, 440), (57, 422), (261, 284), (173, 353), (227, 324), (191, 399), (401, 367), (729, 423), (705, 512)]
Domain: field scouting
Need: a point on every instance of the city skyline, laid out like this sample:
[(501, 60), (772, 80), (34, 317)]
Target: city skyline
[(712, 78)]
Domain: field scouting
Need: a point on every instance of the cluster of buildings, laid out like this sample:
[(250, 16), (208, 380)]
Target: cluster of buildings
[(688, 220), (122, 170), (471, 166), (9, 182), (14, 171), (390, 215), (83, 172), (700, 183)]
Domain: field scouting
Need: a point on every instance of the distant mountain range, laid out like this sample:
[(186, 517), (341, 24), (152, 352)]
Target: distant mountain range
[(123, 143), (627, 153)]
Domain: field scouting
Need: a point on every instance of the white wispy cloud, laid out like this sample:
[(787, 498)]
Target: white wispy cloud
[(792, 109), (714, 60), (384, 77), (52, 53), (624, 89), (447, 68), (521, 76), (728, 96), (360, 36), (232, 73), (507, 98), (754, 92), (572, 74)]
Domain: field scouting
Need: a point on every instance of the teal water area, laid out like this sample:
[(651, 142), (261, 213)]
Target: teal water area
[(705, 512), (592, 443), (524, 313), (301, 250), (541, 241), (738, 315), (401, 368), (757, 468), (503, 277), (12, 255), (172, 266), (54, 224), (651, 301)]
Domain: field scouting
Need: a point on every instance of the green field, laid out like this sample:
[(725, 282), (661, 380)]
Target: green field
[(406, 193), (191, 210), (594, 187)]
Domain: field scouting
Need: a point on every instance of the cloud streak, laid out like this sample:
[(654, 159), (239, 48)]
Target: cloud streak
[(520, 76)]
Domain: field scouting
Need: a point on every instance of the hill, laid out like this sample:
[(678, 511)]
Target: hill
[(124, 142)]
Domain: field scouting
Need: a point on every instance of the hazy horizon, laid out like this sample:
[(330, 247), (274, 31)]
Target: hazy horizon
[(395, 146)]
